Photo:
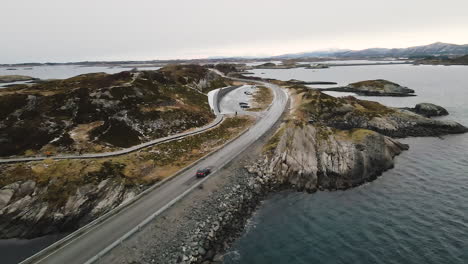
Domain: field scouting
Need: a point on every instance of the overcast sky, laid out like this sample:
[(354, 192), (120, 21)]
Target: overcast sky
[(65, 30)]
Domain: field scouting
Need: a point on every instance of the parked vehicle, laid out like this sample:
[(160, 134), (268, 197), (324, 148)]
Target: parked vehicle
[(245, 106), (202, 172)]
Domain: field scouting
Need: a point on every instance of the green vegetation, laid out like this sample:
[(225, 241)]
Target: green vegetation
[(273, 142), (131, 107), (63, 177), (356, 135), (376, 84), (174, 152), (320, 107)]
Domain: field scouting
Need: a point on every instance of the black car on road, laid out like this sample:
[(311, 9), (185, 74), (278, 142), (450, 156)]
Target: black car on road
[(203, 172)]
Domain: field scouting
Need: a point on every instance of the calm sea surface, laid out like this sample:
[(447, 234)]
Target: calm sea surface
[(414, 213), (61, 71)]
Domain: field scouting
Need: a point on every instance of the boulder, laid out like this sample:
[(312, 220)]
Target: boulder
[(429, 110), (5, 197)]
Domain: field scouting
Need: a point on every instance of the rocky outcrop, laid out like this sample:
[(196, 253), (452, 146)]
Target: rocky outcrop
[(25, 214), (345, 142), (309, 152), (428, 110), (34, 207), (350, 113), (374, 88), (311, 158), (130, 108)]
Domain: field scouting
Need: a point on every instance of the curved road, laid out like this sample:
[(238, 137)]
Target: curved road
[(87, 246)]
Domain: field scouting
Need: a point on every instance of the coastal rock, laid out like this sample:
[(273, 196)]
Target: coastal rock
[(28, 210), (429, 110), (322, 158), (393, 122), (345, 142), (374, 88)]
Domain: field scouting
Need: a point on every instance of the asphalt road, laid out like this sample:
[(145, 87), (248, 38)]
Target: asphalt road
[(230, 102), (89, 244)]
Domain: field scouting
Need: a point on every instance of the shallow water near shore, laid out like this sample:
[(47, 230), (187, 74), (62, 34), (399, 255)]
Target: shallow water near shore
[(414, 213), (15, 250)]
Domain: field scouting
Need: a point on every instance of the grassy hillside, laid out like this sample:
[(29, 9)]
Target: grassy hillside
[(100, 112)]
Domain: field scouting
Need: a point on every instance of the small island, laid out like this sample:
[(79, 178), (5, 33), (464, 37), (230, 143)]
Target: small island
[(428, 110), (15, 78), (374, 88)]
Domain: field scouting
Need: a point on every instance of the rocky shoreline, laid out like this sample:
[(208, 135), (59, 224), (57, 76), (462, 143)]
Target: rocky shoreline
[(308, 157), (224, 215)]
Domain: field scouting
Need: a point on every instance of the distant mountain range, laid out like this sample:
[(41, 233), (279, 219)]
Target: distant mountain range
[(319, 53), (434, 49)]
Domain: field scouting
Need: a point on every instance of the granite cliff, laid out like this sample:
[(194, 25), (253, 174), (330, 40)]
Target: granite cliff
[(337, 143)]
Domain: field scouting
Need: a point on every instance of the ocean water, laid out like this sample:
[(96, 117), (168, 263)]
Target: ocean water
[(414, 213), (61, 71)]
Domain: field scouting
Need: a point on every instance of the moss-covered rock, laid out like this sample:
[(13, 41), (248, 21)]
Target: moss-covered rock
[(375, 88), (347, 113)]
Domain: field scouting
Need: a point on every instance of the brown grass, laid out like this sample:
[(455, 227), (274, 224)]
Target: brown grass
[(262, 98), (63, 177)]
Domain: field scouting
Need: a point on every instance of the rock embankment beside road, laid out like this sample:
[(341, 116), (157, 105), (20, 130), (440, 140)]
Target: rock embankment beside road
[(222, 218)]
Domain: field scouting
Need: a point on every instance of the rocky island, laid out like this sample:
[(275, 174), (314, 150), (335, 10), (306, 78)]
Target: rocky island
[(428, 110), (15, 78), (374, 88)]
